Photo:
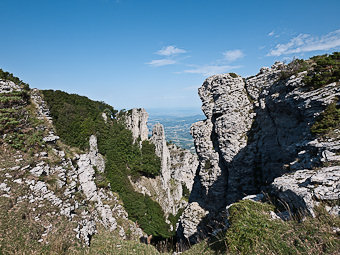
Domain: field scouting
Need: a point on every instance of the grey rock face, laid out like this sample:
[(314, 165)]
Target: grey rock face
[(86, 173), (95, 158), (8, 86), (190, 221), (136, 121), (42, 109), (221, 137), (178, 168), (304, 189), (183, 166), (258, 129), (51, 138), (162, 151)]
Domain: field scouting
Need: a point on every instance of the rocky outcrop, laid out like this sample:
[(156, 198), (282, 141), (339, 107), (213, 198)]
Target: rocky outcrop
[(304, 189), (178, 167), (77, 197), (136, 121), (43, 113), (96, 159), (183, 166), (59, 185), (257, 129), (9, 86)]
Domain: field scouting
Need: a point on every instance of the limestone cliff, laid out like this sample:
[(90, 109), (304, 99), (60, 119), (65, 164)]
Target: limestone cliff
[(136, 120), (178, 167), (258, 129)]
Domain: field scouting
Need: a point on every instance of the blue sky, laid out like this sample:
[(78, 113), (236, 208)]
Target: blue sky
[(156, 53)]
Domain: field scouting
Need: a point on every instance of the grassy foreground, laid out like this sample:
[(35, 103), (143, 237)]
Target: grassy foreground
[(253, 231)]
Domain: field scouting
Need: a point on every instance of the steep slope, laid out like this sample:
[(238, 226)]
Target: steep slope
[(76, 118), (45, 185), (257, 129)]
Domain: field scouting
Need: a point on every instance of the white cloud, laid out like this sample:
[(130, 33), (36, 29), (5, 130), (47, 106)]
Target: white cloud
[(162, 62), (307, 43), (170, 51), (271, 33), (211, 69), (232, 55)]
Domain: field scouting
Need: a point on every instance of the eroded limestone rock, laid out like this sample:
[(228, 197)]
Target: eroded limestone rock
[(136, 121), (257, 129)]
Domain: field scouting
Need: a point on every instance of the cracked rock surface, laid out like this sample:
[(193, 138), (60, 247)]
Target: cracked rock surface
[(256, 137)]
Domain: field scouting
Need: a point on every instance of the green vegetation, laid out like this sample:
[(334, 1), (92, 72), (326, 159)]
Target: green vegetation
[(252, 231), (174, 219), (325, 69), (208, 164), (16, 119), (10, 77), (234, 75), (185, 192), (321, 70), (76, 118), (150, 164), (293, 68), (104, 243), (327, 121), (20, 234)]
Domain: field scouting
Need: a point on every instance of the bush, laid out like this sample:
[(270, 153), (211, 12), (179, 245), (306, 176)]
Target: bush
[(234, 75), (293, 68), (327, 121), (185, 192), (325, 70), (150, 164)]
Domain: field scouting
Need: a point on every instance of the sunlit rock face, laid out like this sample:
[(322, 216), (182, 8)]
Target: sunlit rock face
[(256, 130), (136, 120)]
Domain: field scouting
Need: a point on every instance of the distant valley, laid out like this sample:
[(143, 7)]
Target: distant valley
[(177, 129)]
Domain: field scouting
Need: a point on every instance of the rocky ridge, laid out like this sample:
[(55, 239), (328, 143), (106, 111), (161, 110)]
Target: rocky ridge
[(258, 129), (61, 182)]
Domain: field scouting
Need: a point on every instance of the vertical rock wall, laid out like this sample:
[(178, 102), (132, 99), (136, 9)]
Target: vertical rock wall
[(257, 129), (136, 120)]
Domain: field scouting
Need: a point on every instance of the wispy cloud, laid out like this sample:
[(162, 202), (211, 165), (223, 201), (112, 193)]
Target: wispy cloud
[(170, 51), (208, 70), (218, 66), (232, 55), (271, 33), (307, 43), (169, 54), (162, 62)]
